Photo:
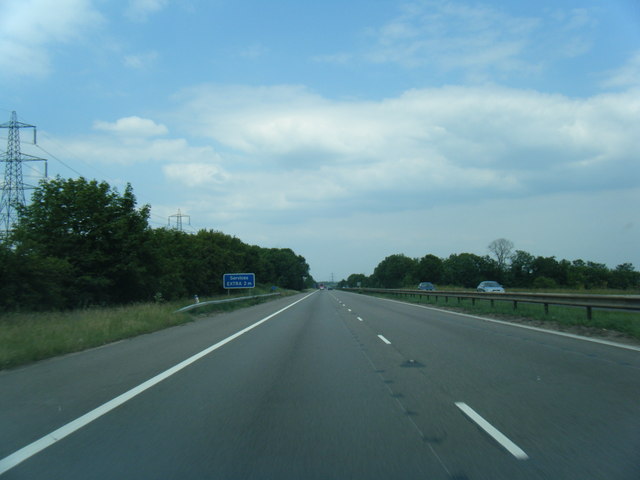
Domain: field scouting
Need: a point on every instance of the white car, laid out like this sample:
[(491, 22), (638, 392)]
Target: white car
[(490, 287)]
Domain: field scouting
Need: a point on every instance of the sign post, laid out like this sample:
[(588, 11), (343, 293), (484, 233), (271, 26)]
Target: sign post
[(238, 280)]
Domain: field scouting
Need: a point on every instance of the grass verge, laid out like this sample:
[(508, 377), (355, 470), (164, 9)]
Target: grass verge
[(28, 337), (604, 323)]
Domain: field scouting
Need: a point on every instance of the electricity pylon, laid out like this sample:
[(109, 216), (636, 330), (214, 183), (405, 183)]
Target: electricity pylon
[(179, 216), (13, 186)]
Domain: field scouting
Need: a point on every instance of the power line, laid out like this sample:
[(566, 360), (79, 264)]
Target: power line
[(56, 158), (75, 157), (161, 220)]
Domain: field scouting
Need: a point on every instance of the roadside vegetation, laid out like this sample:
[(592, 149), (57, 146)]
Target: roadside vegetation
[(517, 271), (614, 325), (83, 267), (82, 244), (28, 337), (521, 270)]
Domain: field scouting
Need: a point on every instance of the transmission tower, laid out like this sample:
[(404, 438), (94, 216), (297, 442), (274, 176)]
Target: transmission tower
[(179, 216), (13, 186)]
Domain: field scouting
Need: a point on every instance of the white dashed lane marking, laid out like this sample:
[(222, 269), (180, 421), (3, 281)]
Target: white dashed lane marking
[(511, 447)]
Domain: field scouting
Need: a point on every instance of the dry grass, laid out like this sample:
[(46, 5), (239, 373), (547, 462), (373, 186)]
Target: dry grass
[(27, 337)]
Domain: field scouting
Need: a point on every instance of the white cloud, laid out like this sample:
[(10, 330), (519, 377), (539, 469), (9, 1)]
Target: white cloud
[(452, 35), (454, 166), (626, 76), (479, 42), (292, 157), (575, 19), (195, 174), (139, 10), (132, 127), (336, 58), (30, 28), (141, 61), (255, 50), (545, 225), (131, 150)]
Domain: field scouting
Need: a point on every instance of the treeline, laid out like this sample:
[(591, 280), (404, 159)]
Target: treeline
[(518, 269), (81, 243)]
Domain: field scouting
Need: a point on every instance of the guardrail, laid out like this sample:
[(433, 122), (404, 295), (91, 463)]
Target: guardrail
[(226, 300), (605, 302)]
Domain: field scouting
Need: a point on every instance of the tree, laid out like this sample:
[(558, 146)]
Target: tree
[(624, 276), (169, 271), (502, 249), (30, 282), (596, 275), (82, 243), (93, 230), (468, 269), (550, 268), (429, 268), (395, 271), (588, 274), (357, 280), (289, 270), (576, 275), (522, 268)]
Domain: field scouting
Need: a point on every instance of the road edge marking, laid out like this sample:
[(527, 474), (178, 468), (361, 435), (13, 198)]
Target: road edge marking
[(498, 436), (526, 327), (19, 456)]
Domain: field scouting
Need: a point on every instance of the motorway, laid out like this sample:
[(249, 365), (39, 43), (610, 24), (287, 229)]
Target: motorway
[(328, 385)]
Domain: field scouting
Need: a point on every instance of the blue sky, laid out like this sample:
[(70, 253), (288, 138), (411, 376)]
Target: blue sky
[(346, 130)]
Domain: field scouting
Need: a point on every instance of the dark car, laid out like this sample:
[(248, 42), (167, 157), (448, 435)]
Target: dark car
[(426, 286), (490, 286)]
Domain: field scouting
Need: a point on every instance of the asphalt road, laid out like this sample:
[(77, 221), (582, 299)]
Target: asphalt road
[(335, 386)]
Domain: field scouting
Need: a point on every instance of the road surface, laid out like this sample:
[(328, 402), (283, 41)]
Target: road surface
[(328, 385)]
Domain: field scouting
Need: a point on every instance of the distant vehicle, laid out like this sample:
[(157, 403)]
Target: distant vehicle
[(426, 286), (490, 286)]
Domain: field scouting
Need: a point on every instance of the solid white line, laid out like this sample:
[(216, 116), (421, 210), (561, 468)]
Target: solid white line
[(24, 453), (511, 447), (384, 340)]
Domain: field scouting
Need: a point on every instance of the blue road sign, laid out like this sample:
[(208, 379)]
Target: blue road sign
[(239, 280)]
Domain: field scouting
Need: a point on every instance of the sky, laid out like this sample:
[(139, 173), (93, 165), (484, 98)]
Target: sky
[(346, 130)]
